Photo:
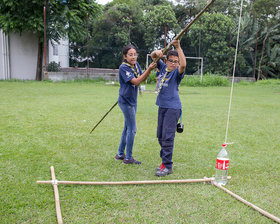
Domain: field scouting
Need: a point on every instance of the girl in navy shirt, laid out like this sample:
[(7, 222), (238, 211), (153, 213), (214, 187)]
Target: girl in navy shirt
[(130, 77)]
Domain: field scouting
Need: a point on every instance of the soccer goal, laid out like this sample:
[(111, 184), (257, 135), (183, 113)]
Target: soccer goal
[(199, 59)]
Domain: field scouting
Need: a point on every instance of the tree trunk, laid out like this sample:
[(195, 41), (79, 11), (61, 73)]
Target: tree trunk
[(260, 61), (251, 7), (255, 61), (39, 61)]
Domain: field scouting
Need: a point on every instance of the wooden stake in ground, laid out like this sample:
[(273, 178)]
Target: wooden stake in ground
[(56, 197), (276, 219)]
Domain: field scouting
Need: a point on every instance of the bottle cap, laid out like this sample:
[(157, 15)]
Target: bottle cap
[(224, 145)]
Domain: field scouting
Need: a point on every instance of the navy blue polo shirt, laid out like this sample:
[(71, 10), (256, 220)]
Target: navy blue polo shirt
[(168, 96), (128, 92)]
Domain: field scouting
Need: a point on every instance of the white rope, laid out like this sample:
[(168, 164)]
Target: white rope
[(54, 182), (232, 82)]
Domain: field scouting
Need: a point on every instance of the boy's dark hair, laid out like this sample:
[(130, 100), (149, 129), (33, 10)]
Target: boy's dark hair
[(127, 48), (172, 53)]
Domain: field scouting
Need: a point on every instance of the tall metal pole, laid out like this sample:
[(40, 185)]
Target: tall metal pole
[(165, 34), (87, 51), (45, 46), (129, 29), (199, 43), (229, 56)]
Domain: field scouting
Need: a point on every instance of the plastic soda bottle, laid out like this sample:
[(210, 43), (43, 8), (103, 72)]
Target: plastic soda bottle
[(222, 164)]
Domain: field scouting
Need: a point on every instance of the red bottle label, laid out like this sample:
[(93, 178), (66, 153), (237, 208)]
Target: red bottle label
[(222, 164)]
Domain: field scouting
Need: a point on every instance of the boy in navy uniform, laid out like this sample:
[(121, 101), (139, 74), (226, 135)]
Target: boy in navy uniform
[(168, 101)]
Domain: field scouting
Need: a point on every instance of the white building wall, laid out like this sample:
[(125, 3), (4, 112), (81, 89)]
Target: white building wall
[(59, 53), (23, 55), (18, 55), (51, 50), (64, 53)]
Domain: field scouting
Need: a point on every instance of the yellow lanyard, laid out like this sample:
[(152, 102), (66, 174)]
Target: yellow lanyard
[(162, 81), (136, 73)]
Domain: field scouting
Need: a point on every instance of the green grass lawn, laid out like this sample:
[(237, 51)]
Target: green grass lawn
[(45, 124)]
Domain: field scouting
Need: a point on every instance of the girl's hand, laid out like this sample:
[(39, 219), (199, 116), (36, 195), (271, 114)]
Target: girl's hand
[(152, 66)]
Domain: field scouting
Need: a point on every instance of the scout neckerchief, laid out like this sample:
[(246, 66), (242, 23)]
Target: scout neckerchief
[(136, 73), (162, 81)]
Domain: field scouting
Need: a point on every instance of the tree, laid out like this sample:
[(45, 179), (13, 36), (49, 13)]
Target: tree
[(247, 41), (122, 23), (214, 30), (119, 25), (267, 16), (64, 20), (155, 20), (269, 63)]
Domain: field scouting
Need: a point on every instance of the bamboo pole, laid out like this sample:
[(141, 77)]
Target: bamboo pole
[(274, 218), (178, 37), (104, 116), (130, 182), (56, 197)]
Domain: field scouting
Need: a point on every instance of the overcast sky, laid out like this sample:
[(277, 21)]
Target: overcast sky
[(103, 2)]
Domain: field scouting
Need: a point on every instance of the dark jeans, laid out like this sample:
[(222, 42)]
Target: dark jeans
[(167, 122)]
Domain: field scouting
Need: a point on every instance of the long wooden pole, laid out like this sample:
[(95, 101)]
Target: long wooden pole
[(276, 219), (56, 197), (131, 182), (164, 51), (104, 116)]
